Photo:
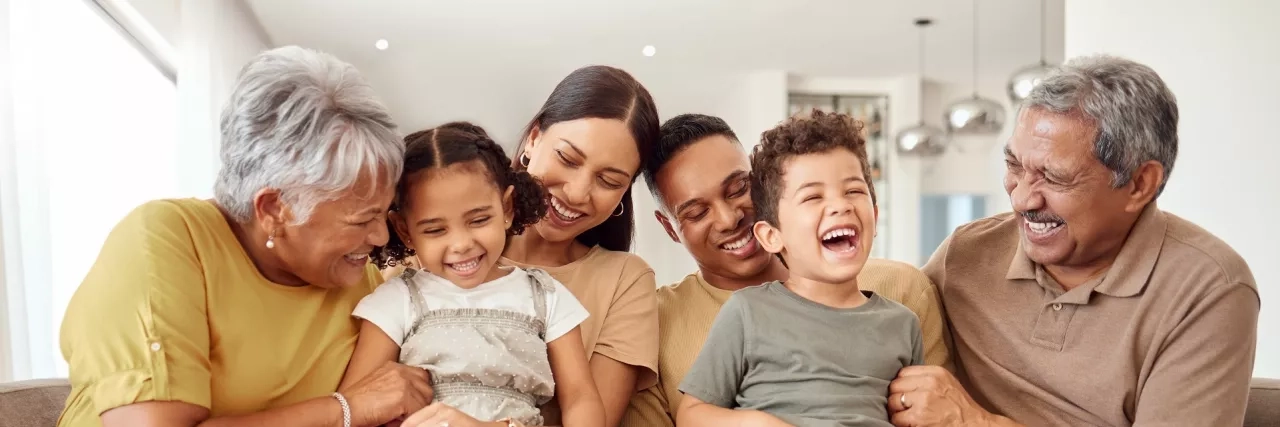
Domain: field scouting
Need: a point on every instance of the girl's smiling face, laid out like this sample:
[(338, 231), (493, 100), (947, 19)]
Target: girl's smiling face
[(456, 219)]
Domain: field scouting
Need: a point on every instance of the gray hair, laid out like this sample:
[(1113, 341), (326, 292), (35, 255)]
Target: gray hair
[(1135, 113), (307, 124)]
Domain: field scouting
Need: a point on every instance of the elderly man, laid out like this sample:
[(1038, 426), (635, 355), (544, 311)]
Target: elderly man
[(699, 178), (1088, 305)]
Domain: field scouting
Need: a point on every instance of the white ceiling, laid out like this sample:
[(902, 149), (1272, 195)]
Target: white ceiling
[(493, 61), (817, 37)]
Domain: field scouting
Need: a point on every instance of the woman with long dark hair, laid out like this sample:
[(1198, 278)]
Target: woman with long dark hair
[(587, 145)]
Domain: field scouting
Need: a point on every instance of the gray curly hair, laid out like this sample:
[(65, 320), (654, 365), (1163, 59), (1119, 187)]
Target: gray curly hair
[(307, 124)]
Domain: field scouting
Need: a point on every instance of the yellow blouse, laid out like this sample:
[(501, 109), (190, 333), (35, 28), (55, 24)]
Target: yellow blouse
[(175, 310)]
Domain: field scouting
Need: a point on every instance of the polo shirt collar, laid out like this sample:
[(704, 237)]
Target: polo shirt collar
[(1133, 266), (1021, 268), (1137, 259)]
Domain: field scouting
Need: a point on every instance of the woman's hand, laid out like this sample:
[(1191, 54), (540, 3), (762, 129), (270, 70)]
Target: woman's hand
[(390, 391), (441, 415)]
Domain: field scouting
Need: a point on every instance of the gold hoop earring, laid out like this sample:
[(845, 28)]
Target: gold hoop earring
[(621, 209), (271, 240)]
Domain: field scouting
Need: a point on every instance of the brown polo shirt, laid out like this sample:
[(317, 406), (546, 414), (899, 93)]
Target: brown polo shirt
[(1165, 337)]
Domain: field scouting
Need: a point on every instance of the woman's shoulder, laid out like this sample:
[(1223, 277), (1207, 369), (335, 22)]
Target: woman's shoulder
[(627, 263), (629, 271), (159, 248), (599, 267), (189, 232), (193, 217), (190, 207)]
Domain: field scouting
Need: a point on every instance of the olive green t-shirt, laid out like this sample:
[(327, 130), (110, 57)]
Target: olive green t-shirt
[(806, 363)]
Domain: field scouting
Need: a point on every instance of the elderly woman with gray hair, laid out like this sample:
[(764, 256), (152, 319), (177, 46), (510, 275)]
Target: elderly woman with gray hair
[(236, 311)]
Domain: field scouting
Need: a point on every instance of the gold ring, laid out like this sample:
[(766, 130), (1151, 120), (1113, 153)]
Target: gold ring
[(902, 398)]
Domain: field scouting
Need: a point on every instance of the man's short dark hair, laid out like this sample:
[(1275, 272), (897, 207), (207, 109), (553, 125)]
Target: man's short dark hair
[(678, 133), (820, 132)]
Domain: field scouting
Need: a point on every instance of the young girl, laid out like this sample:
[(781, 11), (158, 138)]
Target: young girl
[(498, 341)]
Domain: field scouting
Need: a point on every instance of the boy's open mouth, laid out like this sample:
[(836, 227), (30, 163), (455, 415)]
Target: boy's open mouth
[(840, 239)]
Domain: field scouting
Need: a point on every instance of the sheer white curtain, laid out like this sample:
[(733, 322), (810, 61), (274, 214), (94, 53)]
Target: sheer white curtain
[(87, 132)]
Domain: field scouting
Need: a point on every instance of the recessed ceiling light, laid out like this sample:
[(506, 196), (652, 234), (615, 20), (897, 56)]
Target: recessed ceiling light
[(649, 50), (381, 44)]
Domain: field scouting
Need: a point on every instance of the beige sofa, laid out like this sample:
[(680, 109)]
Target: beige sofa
[(37, 403)]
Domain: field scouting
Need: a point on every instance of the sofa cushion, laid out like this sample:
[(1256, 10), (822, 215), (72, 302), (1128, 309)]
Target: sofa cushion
[(37, 403), (34, 403), (1264, 404)]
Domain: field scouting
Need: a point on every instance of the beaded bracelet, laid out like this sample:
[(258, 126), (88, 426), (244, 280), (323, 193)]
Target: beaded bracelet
[(346, 409)]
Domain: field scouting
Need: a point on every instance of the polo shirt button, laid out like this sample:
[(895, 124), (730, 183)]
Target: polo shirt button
[(1056, 306), (155, 346)]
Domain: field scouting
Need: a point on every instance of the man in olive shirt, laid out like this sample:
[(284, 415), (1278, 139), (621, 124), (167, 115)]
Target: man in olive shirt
[(1088, 305), (699, 178)]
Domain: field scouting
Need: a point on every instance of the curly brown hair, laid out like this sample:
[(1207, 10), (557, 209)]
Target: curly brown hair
[(454, 143), (817, 133)]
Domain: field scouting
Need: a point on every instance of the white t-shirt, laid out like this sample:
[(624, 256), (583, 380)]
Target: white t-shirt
[(390, 309)]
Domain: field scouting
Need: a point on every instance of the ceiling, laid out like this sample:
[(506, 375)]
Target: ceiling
[(816, 37), (492, 61)]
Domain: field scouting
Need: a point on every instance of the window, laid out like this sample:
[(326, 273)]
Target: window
[(940, 214), (93, 135)]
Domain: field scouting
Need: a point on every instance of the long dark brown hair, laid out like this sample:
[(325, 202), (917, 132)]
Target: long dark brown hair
[(603, 92)]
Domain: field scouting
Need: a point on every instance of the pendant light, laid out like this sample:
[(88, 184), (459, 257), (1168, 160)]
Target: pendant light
[(922, 139), (974, 115), (1026, 78)]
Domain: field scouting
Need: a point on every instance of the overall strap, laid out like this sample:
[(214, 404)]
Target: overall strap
[(541, 284), (416, 300)]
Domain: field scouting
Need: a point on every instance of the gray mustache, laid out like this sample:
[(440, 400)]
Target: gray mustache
[(1040, 216)]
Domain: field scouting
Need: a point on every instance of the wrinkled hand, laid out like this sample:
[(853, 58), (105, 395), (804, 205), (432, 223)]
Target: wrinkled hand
[(933, 398), (391, 391), (441, 415)]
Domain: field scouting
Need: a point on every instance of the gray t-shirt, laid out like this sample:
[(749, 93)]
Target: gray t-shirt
[(803, 362)]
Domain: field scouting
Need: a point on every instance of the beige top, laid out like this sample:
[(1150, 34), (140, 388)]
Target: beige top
[(617, 289), (1166, 337), (687, 309)]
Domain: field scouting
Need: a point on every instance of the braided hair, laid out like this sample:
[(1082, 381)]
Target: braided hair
[(454, 143)]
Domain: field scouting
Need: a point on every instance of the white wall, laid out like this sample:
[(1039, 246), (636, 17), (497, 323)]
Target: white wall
[(1221, 61)]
